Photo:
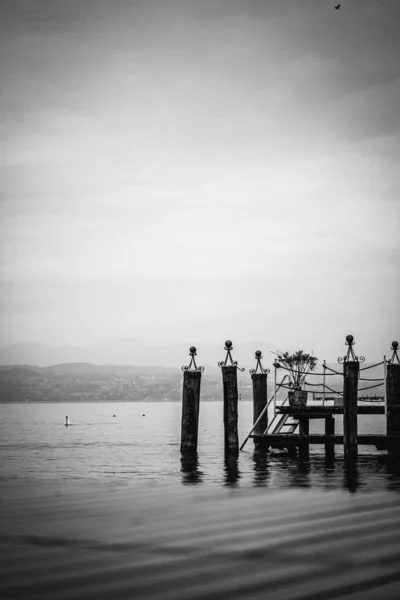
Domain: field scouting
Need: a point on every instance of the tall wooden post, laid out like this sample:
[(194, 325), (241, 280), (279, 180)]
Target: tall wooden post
[(330, 430), (260, 395), (230, 390), (231, 439), (190, 404), (304, 445), (393, 399), (351, 367)]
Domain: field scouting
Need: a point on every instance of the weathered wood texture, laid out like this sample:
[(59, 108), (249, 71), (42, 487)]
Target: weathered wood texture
[(393, 399), (82, 541), (230, 388), (304, 445), (350, 425), (260, 400), (329, 431), (190, 410)]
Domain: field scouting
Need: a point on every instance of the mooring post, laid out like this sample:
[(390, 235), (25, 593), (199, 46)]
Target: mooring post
[(393, 399), (190, 404), (260, 395), (304, 445), (230, 390), (330, 430), (351, 366)]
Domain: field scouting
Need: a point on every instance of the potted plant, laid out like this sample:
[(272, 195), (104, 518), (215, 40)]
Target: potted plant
[(299, 365)]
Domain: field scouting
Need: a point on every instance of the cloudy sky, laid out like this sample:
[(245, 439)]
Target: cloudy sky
[(192, 170)]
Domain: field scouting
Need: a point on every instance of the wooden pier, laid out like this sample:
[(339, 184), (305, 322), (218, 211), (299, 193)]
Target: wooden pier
[(295, 433), (290, 427), (305, 414)]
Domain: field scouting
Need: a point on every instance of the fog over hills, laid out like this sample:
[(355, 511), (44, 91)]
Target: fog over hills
[(131, 351), (129, 370)]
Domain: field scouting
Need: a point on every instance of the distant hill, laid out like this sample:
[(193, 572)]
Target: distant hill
[(89, 368), (87, 382), (19, 373), (131, 351), (27, 372)]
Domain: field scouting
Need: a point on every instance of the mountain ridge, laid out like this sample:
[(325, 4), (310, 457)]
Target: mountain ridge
[(131, 351)]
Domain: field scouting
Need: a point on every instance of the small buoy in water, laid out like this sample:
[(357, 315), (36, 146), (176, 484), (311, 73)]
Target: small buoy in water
[(143, 415), (66, 422)]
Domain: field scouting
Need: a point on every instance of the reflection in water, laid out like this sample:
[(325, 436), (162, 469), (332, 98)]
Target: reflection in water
[(327, 464), (351, 475), (231, 470), (190, 469), (299, 474), (260, 466), (35, 441), (392, 468)]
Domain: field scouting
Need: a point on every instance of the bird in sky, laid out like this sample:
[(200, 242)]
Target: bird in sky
[(337, 6)]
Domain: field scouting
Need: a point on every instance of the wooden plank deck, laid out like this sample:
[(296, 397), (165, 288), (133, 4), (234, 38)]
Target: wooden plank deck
[(82, 540)]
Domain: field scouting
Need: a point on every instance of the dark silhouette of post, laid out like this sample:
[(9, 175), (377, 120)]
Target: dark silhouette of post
[(260, 395), (304, 444), (393, 400), (190, 404), (329, 430), (351, 366), (230, 390)]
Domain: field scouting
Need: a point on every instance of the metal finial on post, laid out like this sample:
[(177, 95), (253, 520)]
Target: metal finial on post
[(224, 363), (190, 403), (350, 356), (395, 357), (259, 367), (192, 365)]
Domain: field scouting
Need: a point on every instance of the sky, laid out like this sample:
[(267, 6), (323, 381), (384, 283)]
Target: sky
[(197, 170)]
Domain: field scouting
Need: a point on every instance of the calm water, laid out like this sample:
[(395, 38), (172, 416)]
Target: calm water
[(132, 447)]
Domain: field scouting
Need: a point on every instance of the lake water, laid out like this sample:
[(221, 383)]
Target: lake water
[(141, 444)]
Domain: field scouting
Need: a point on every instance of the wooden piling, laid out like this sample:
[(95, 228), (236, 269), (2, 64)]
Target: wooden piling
[(351, 366), (393, 401), (260, 395), (350, 424), (230, 391), (304, 446), (190, 405), (329, 430), (259, 402), (229, 380)]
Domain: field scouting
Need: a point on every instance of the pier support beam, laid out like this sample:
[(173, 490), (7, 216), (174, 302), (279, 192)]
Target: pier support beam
[(351, 366), (260, 395), (230, 391), (231, 438), (393, 400), (350, 423), (259, 402), (190, 405), (304, 446), (329, 430)]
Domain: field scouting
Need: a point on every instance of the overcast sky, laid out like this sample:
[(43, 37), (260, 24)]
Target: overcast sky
[(193, 170)]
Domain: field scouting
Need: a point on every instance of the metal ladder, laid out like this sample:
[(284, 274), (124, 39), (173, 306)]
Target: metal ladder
[(278, 422)]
